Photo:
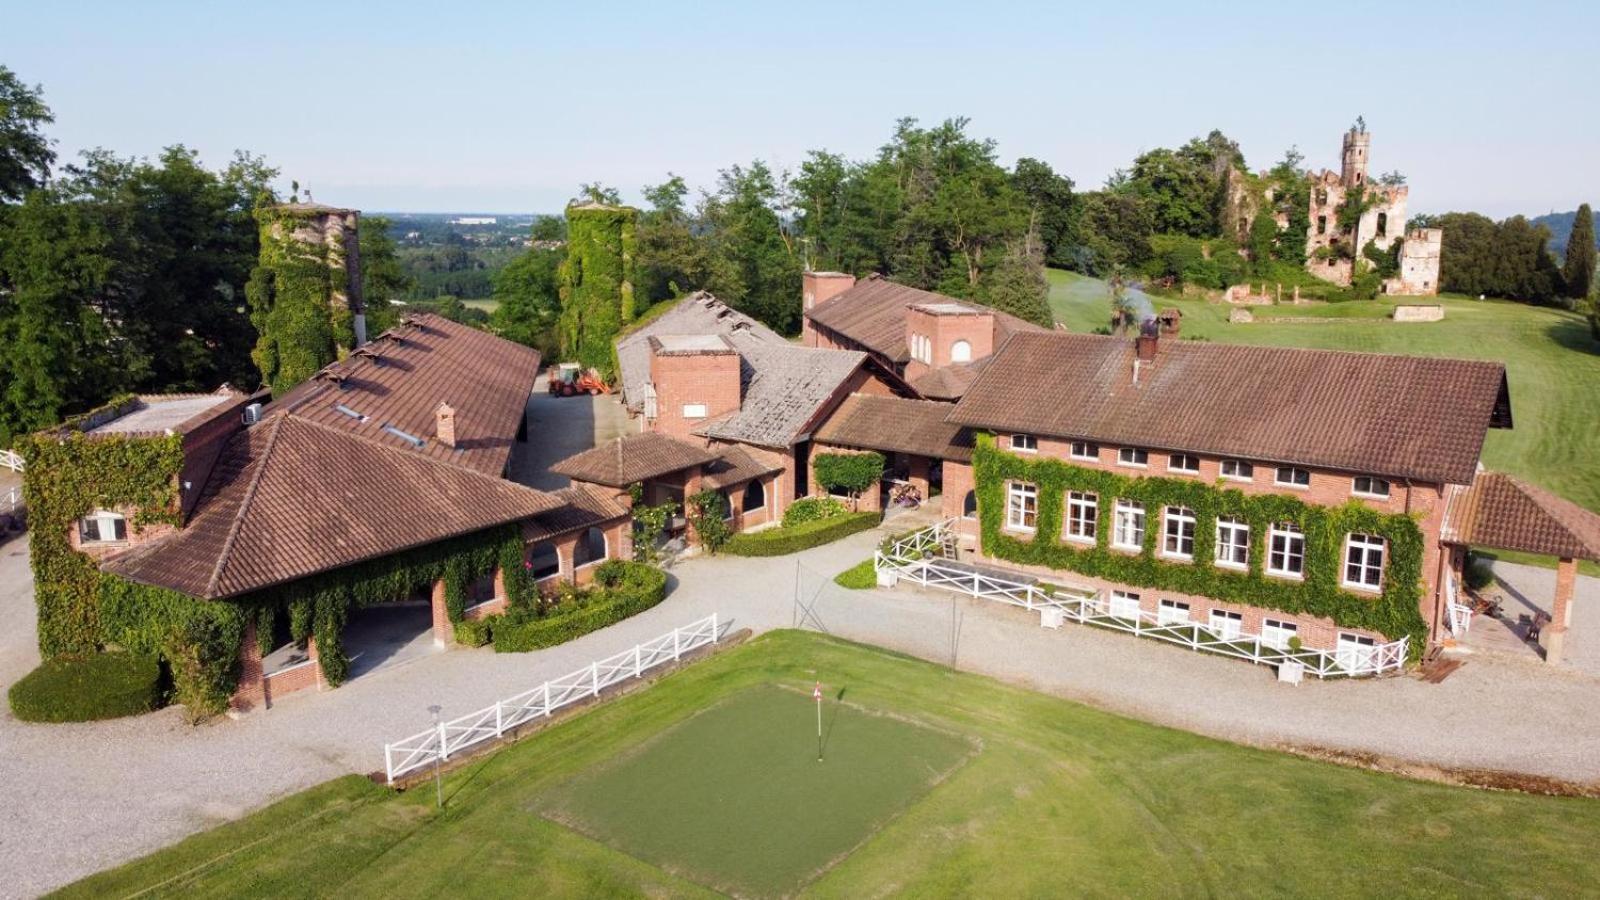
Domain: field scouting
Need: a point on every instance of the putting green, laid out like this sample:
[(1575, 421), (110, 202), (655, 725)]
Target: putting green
[(734, 797)]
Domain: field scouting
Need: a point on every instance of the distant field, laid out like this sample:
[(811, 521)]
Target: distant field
[(936, 784), (487, 305), (1552, 363)]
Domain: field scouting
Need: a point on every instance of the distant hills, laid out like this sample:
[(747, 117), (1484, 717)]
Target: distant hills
[(1560, 225)]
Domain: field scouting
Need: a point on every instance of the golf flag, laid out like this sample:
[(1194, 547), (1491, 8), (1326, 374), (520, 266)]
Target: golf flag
[(816, 693)]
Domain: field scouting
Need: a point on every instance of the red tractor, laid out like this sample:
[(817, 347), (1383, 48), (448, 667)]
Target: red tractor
[(571, 379)]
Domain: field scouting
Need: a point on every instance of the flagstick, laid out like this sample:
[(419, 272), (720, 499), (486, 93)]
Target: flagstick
[(819, 729)]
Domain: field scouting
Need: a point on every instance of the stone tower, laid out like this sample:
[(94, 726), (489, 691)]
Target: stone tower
[(1353, 168)]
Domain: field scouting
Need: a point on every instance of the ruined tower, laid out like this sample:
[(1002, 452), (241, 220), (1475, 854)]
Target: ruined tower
[(1353, 167), (305, 292)]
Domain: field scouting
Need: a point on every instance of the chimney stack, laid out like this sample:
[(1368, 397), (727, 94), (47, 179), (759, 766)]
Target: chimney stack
[(1148, 341), (444, 424)]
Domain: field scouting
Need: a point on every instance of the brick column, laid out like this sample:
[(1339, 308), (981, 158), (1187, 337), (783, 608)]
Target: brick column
[(917, 474), (444, 633), (1555, 634), (252, 684)]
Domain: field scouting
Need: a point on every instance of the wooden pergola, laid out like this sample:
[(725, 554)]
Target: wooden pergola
[(1505, 513)]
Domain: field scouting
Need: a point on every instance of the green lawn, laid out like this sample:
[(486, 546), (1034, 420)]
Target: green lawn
[(487, 304), (1551, 360), (1058, 800)]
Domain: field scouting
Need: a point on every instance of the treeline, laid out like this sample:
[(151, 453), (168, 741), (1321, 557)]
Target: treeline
[(1511, 258)]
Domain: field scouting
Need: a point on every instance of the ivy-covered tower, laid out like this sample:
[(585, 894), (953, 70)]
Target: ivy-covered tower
[(596, 282), (305, 292)]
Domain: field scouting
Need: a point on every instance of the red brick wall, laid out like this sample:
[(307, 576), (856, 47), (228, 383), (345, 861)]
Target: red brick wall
[(685, 379), (817, 288), (203, 445), (942, 332), (255, 689)]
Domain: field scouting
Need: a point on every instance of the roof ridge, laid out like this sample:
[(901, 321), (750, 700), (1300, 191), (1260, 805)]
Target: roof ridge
[(244, 505), (1199, 345)]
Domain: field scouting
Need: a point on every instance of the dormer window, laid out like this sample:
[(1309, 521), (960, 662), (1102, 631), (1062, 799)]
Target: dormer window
[(102, 527), (1026, 443), (1370, 486)]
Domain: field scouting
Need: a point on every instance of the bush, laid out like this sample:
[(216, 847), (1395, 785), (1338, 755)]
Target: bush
[(859, 577), (853, 472), (794, 538), (810, 509), (86, 688), (622, 588), (475, 632), (1477, 574)]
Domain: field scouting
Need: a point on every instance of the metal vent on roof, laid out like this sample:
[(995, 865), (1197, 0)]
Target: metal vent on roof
[(411, 439), (350, 412), (366, 351)]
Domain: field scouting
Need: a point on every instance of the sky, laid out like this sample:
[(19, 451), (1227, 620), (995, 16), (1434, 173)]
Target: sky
[(507, 107)]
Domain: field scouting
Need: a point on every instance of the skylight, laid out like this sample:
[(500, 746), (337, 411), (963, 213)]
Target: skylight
[(350, 412), (411, 439)]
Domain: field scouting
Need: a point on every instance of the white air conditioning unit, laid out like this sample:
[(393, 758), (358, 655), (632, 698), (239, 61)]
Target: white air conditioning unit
[(252, 414)]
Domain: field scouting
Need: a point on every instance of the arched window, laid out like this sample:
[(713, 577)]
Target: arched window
[(969, 505), (755, 495), (1383, 223), (591, 547), (543, 560), (961, 351)]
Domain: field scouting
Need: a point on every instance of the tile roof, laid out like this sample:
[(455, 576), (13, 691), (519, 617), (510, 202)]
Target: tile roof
[(734, 465), (1503, 512), (397, 380), (866, 422), (292, 497), (950, 382), (784, 387), (873, 314), (697, 314), (1398, 416), (581, 506), (631, 458)]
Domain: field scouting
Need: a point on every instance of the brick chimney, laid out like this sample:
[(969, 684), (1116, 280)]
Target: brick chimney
[(696, 378), (817, 288), (444, 424), (1149, 340)]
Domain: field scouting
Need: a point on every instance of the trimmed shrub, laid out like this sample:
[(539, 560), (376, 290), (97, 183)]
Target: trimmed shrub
[(1478, 573), (622, 588), (86, 688), (810, 509), (792, 539), (853, 472), (859, 577), (475, 632)]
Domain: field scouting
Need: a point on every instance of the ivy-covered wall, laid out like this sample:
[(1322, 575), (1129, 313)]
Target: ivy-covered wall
[(1394, 613), (291, 295), (596, 283)]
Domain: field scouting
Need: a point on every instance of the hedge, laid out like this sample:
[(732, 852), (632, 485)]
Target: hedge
[(86, 688), (622, 589), (475, 632), (787, 539), (810, 509)]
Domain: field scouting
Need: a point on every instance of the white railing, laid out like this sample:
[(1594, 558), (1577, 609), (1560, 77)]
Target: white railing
[(1460, 615), (11, 459), (913, 558), (492, 722), (11, 500)]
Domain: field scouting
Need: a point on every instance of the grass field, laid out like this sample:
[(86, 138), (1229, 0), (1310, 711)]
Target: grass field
[(1552, 362), (1056, 799)]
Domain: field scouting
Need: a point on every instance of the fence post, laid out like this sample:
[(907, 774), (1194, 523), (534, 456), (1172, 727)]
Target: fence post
[(594, 677), (714, 633), (388, 763), (638, 650), (443, 754), (499, 727), (547, 699), (675, 644)]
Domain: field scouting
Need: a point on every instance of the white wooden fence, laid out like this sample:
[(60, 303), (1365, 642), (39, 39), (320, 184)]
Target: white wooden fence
[(10, 500), (11, 459), (919, 558), (492, 722)]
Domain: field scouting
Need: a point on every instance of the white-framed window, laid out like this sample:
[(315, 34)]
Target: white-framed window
[(1022, 506), (1363, 561), (1026, 443), (1177, 531), (1238, 470), (1354, 650), (1128, 533), (1172, 612), (1187, 463), (1233, 542), (1083, 513), (102, 527), (961, 351), (694, 410), (1370, 486), (1276, 634), (1290, 476), (1124, 605), (1085, 450), (1133, 456), (1286, 554), (1226, 625)]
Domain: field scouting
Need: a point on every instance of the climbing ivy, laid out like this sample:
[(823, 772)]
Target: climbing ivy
[(708, 511), (596, 283), (290, 292), (1394, 613)]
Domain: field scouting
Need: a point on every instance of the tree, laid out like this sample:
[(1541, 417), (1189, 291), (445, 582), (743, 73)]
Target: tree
[(1017, 285), (1577, 275), (528, 294), (25, 153), (1115, 231), (752, 259), (383, 278), (549, 228), (1052, 207), (672, 255), (1263, 238), (595, 192)]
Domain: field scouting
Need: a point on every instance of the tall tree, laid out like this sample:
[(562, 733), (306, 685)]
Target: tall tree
[(672, 254), (1052, 207), (754, 261), (529, 300), (1017, 285), (1577, 275), (25, 153), (383, 278)]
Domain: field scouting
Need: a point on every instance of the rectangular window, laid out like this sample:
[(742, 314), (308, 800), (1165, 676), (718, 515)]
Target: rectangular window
[(694, 410), (1276, 634), (1370, 486), (1083, 512), (1287, 556), (1292, 477), (1178, 533), (1085, 450), (102, 527), (1022, 506), (1129, 531), (1133, 456), (1238, 470), (1226, 625), (1187, 463), (1171, 612), (1233, 543), (1125, 605), (1363, 562), (1027, 443)]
